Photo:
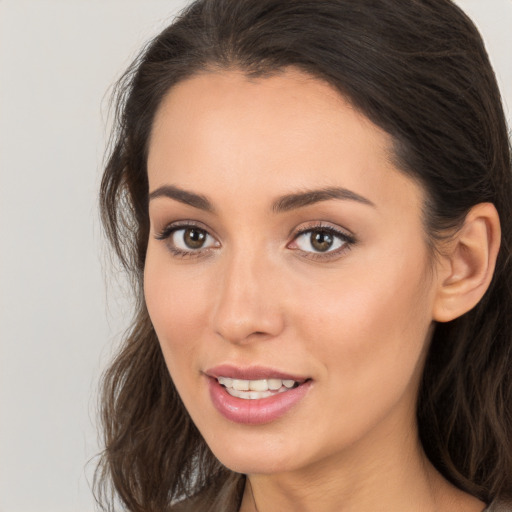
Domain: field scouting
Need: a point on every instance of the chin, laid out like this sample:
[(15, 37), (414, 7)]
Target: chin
[(255, 464), (254, 456)]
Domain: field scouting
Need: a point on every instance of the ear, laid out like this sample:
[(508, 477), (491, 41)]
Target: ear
[(467, 266)]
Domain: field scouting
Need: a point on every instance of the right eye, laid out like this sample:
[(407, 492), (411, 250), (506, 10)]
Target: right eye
[(187, 240), (191, 238)]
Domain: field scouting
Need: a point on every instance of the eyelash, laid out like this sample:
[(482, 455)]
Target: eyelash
[(169, 230), (347, 240)]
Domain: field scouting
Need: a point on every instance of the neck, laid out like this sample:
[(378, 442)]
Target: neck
[(386, 471)]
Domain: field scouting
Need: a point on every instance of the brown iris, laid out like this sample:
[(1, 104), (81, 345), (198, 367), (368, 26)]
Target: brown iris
[(321, 240), (194, 238)]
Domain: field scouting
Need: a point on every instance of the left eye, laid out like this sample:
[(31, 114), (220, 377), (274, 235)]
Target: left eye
[(320, 240)]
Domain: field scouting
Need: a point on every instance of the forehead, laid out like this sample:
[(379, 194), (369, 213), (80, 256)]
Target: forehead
[(221, 130)]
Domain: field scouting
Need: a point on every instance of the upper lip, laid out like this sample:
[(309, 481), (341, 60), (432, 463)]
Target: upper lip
[(251, 373)]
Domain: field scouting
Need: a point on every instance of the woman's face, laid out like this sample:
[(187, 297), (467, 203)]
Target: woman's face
[(286, 255)]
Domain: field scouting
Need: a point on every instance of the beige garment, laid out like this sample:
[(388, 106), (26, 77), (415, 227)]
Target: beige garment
[(499, 506), (495, 506)]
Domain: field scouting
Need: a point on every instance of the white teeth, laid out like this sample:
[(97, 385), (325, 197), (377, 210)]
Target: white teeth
[(274, 384), (226, 381), (255, 389), (254, 395), (258, 385), (241, 385)]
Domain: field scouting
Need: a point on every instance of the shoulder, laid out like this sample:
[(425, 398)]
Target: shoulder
[(182, 506), (223, 495), (499, 506), (187, 505), (203, 504)]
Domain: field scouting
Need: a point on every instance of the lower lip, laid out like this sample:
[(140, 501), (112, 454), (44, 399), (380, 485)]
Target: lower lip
[(255, 412)]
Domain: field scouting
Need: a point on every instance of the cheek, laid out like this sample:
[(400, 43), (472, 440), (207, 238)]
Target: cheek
[(177, 303), (370, 301), (370, 330)]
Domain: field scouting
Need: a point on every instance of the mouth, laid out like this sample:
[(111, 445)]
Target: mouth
[(255, 395), (257, 389)]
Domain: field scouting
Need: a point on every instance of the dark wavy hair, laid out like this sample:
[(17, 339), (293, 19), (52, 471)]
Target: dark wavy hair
[(418, 69)]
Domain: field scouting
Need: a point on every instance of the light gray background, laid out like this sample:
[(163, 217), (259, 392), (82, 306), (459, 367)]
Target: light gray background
[(57, 62)]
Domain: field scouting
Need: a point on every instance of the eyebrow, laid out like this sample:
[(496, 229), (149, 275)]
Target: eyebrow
[(196, 200), (282, 204), (306, 198)]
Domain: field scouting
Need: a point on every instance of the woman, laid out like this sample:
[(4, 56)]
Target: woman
[(313, 200)]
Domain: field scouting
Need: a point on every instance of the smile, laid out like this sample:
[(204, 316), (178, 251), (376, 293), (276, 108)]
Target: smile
[(255, 395), (256, 389)]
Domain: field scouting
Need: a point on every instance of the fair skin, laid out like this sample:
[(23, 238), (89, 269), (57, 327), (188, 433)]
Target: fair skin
[(353, 315)]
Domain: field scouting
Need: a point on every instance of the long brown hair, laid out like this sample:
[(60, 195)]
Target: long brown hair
[(417, 69)]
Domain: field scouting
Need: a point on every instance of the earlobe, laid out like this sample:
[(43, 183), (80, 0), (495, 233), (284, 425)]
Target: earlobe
[(468, 263)]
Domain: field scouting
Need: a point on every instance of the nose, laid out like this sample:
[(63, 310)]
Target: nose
[(248, 306)]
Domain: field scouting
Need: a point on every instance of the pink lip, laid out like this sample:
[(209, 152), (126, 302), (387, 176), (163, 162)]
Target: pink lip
[(254, 412)]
